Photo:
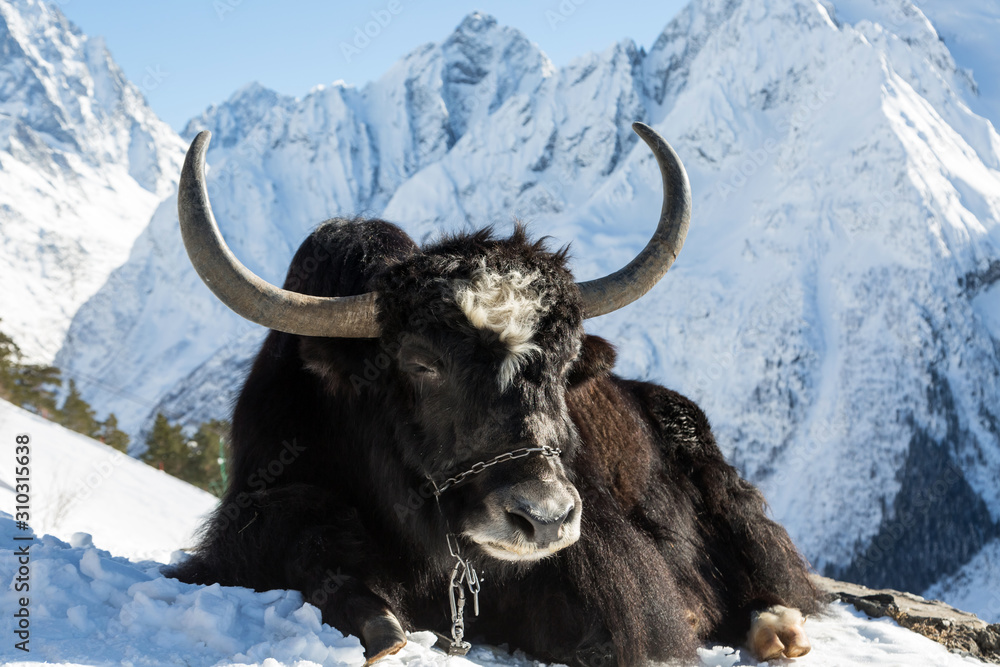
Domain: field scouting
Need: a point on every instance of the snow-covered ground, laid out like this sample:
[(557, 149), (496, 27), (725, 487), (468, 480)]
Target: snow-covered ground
[(106, 524), (80, 485)]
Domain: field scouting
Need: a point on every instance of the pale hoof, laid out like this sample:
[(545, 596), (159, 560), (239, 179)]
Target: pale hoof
[(777, 632), (382, 636)]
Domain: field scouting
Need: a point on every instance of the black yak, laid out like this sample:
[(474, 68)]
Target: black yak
[(430, 428)]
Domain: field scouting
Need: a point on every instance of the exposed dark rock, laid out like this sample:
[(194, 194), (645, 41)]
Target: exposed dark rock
[(975, 281), (958, 630), (937, 522)]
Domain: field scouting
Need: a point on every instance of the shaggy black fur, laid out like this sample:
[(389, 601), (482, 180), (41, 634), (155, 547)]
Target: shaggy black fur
[(333, 441)]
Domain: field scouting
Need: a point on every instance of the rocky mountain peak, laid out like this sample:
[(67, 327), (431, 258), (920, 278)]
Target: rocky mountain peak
[(85, 161)]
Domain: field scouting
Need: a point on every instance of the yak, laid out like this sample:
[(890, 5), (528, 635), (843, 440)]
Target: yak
[(428, 440)]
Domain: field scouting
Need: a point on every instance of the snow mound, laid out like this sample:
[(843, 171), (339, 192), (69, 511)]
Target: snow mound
[(90, 607)]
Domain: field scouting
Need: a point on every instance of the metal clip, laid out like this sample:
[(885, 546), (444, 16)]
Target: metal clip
[(449, 647), (472, 581), (453, 548), (462, 575)]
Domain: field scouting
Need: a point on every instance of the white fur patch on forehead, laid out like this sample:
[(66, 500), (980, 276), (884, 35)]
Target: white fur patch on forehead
[(505, 304)]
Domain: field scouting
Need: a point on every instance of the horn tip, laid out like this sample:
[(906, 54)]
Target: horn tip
[(650, 136), (202, 140), (642, 129)]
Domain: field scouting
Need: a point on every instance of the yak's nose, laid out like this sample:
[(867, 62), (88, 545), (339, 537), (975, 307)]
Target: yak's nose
[(541, 522)]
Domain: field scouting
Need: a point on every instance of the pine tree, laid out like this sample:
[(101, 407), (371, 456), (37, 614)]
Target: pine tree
[(10, 357), (109, 434), (77, 415), (195, 460), (206, 471), (31, 386), (26, 385), (167, 448)]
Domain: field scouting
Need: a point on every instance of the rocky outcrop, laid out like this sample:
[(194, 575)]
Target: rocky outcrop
[(958, 630)]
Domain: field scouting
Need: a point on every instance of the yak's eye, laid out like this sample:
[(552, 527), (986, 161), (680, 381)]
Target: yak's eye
[(420, 365), (421, 369)]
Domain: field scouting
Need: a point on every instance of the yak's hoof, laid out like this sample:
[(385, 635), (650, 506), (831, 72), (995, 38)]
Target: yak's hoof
[(777, 632), (382, 636)]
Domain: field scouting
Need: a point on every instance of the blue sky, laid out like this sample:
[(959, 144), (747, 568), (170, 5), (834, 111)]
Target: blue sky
[(188, 54)]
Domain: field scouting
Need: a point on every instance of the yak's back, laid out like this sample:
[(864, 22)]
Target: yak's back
[(341, 256)]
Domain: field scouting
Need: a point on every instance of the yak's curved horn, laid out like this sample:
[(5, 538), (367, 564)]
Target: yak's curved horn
[(248, 295), (624, 286)]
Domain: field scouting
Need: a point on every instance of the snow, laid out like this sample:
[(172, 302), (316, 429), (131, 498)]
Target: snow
[(83, 487), (97, 595), (987, 305), (975, 586), (970, 29), (84, 161)]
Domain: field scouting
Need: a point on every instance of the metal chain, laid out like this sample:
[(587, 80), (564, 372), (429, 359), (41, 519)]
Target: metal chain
[(483, 465), (464, 575)]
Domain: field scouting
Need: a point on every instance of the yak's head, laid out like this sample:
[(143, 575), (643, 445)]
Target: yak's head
[(483, 334), (480, 340)]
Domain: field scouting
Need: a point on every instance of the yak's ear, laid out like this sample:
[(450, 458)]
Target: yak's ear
[(597, 357)]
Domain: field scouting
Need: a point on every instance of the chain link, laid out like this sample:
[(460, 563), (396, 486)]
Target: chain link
[(464, 574), (479, 467)]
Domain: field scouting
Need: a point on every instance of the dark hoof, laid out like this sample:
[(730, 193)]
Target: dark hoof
[(382, 636)]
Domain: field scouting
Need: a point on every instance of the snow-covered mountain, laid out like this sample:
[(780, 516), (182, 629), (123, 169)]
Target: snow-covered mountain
[(83, 164), (836, 308)]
